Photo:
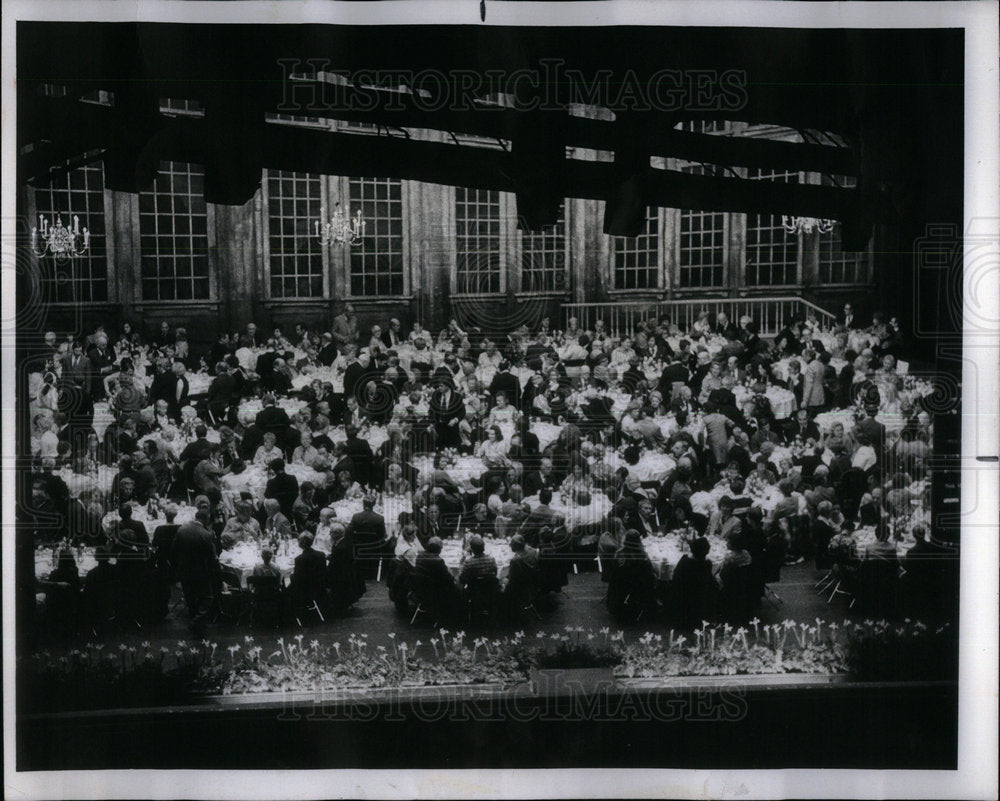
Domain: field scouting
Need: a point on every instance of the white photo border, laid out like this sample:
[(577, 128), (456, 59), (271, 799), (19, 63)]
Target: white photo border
[(976, 776)]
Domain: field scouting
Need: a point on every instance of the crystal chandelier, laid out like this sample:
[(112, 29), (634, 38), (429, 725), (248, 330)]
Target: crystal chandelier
[(59, 240), (342, 229), (806, 225)]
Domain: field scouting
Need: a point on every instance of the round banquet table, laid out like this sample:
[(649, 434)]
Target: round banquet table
[(666, 550), (780, 368), (324, 374), (45, 562), (652, 370), (373, 435), (547, 433), (389, 507), (452, 551), (864, 537), (177, 442), (893, 421), (249, 408), (783, 402), (575, 515), (461, 468), (140, 513), (254, 479), (652, 466), (243, 557), (78, 484)]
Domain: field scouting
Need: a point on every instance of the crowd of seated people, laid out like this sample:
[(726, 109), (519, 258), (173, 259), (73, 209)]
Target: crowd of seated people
[(468, 392)]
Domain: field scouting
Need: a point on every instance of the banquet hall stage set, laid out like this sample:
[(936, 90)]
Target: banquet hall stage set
[(776, 177)]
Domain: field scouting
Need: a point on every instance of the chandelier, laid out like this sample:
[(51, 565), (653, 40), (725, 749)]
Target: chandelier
[(59, 240), (806, 225), (342, 229)]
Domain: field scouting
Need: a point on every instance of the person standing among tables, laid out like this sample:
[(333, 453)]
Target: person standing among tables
[(196, 566), (345, 327)]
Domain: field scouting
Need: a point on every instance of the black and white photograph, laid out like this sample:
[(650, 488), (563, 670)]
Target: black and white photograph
[(500, 399)]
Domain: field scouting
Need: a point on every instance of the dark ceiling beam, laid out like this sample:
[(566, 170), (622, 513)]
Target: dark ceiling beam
[(322, 152), (628, 190), (538, 164), (49, 117)]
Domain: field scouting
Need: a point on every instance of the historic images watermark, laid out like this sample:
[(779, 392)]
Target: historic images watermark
[(314, 85), (544, 702)]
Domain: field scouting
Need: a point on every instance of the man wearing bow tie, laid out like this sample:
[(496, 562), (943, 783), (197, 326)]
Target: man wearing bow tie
[(102, 363), (179, 391), (447, 408)]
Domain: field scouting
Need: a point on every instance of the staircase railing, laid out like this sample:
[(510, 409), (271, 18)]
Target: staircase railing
[(770, 313)]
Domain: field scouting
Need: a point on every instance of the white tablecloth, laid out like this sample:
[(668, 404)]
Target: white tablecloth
[(596, 512), (452, 552), (389, 506), (783, 402), (77, 484), (780, 368), (254, 479), (140, 513), (45, 561), (666, 551), (463, 468)]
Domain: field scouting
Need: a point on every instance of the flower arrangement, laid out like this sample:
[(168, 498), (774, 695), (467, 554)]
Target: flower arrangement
[(102, 676)]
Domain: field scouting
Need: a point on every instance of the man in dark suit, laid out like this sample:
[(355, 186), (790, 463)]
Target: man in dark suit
[(309, 579), (163, 570), (359, 451), (523, 576), (540, 517), (507, 383), (845, 382), (220, 349), (674, 372), (367, 530), (284, 488), (328, 351), (353, 374), (132, 533), (77, 369), (802, 427), (392, 336), (447, 409), (542, 478), (220, 394), (164, 336), (250, 339), (633, 376), (196, 566), (194, 452), (433, 576), (273, 419), (872, 429), (77, 379), (265, 361), (175, 388), (846, 318), (429, 524)]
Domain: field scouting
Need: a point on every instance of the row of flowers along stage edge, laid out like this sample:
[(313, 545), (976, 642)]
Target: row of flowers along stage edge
[(100, 676)]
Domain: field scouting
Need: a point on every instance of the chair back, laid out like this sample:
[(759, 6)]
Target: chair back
[(264, 586), (481, 593)]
